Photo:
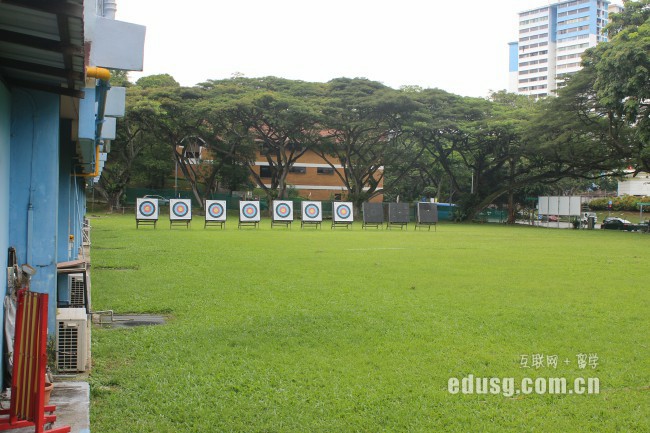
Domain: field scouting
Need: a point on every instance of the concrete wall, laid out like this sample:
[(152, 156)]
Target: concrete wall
[(34, 188)]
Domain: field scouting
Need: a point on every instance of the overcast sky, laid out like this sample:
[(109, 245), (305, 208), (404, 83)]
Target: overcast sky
[(457, 45)]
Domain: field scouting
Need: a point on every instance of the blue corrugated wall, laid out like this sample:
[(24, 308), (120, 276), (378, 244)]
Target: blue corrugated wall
[(34, 188), (5, 146)]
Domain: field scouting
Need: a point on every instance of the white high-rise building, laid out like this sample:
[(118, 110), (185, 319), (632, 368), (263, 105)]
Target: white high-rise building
[(551, 42)]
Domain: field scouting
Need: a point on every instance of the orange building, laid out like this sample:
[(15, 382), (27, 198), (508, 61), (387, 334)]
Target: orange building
[(312, 177)]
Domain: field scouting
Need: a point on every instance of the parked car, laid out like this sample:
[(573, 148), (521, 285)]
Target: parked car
[(616, 223), (161, 200)]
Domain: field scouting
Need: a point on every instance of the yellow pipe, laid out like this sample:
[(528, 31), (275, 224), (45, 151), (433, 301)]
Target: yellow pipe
[(100, 73), (97, 165)]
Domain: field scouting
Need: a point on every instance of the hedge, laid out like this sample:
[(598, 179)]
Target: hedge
[(623, 203)]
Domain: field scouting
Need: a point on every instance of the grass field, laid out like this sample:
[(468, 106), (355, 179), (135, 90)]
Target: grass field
[(360, 330)]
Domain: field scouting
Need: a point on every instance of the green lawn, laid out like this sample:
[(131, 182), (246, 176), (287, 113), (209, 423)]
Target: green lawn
[(360, 330)]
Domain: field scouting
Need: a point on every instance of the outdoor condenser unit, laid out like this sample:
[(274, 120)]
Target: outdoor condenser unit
[(71, 339), (76, 290)]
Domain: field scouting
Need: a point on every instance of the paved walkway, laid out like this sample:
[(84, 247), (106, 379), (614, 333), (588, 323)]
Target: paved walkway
[(72, 401)]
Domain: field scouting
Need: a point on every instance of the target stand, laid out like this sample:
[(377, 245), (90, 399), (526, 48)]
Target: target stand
[(286, 224), (282, 214), (373, 215), (315, 224), (312, 214), (186, 223), (180, 212), (342, 215), (220, 224), (215, 213), (398, 215), (427, 216), (145, 222), (249, 214), (146, 212)]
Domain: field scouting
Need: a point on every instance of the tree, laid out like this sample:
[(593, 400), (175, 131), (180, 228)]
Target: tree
[(126, 158), (279, 117), (168, 112), (157, 81), (366, 125), (488, 150), (620, 70)]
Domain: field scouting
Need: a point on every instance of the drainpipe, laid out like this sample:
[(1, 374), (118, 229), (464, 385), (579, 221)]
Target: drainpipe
[(102, 75), (110, 6)]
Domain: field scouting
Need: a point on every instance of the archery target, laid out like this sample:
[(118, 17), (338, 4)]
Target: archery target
[(215, 210), (312, 211), (373, 213), (180, 209), (398, 213), (282, 210), (147, 209), (427, 213), (343, 212), (249, 211)]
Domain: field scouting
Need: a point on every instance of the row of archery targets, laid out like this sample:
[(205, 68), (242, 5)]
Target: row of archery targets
[(282, 213)]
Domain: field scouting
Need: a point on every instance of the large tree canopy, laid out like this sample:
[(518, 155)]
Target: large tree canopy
[(414, 142), (619, 71)]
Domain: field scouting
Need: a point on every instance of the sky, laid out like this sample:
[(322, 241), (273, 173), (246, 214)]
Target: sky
[(460, 46)]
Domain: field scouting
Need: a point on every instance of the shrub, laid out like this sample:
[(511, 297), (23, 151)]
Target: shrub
[(622, 203)]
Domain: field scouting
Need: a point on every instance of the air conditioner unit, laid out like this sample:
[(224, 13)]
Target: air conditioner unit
[(76, 290), (71, 339)]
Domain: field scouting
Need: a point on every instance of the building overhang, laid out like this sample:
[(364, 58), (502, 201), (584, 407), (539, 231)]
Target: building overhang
[(42, 45)]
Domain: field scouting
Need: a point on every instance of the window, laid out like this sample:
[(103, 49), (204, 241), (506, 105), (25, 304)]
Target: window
[(573, 21), (325, 170), (265, 171), (298, 170)]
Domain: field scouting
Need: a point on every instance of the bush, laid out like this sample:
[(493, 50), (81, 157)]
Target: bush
[(623, 203)]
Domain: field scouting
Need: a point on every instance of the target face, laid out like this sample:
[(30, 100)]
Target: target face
[(427, 213), (249, 210), (147, 209), (215, 210), (282, 210), (373, 213), (343, 212), (311, 211), (180, 209), (398, 213)]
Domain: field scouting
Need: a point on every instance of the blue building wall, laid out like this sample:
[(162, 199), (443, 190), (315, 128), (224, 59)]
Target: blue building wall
[(34, 188), (5, 124), (514, 56)]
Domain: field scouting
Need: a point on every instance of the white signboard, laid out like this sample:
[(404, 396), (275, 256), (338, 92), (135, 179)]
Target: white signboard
[(562, 206)]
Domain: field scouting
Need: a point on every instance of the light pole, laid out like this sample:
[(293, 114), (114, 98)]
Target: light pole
[(176, 180)]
